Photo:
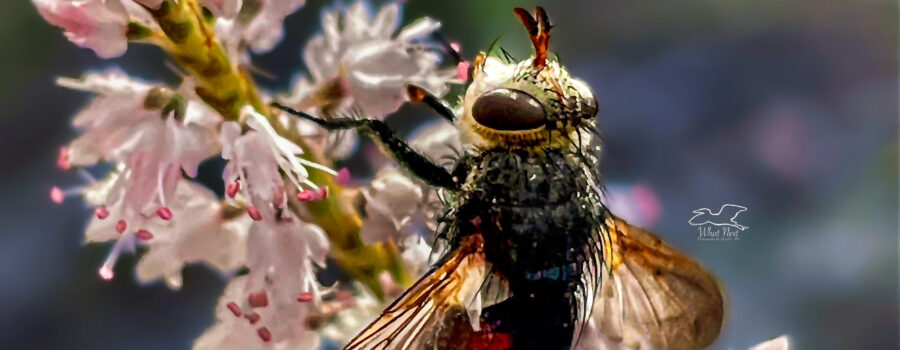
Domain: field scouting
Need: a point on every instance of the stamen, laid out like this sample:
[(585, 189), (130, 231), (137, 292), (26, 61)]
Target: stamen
[(159, 182), (57, 195), (144, 235), (164, 213), (63, 160), (310, 184), (304, 297), (101, 212), (235, 309), (264, 334), (306, 196), (233, 188), (258, 299), (121, 226), (106, 271), (252, 317), (317, 166), (90, 179), (254, 213)]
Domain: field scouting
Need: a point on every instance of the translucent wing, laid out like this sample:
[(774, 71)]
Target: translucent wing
[(653, 297), (432, 306)]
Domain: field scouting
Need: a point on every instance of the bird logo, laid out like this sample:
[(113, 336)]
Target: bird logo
[(726, 216)]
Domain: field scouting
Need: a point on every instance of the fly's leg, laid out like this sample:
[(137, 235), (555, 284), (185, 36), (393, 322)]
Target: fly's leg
[(406, 156), (417, 94)]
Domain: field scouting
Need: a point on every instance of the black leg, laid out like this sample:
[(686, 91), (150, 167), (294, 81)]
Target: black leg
[(408, 158), (417, 94)]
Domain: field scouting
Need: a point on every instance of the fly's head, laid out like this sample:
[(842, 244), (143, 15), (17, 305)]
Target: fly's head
[(533, 104)]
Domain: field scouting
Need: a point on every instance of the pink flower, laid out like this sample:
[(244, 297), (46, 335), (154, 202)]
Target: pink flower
[(392, 201), (118, 125), (281, 256), (371, 64), (125, 124), (99, 25), (198, 233)]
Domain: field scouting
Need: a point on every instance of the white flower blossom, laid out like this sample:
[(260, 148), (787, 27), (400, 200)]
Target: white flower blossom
[(369, 64), (154, 4), (256, 157), (270, 306), (150, 149), (100, 25), (254, 23), (199, 234), (392, 200), (397, 206)]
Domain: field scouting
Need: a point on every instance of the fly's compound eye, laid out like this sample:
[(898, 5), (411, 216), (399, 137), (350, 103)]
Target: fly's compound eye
[(508, 109), (588, 102)]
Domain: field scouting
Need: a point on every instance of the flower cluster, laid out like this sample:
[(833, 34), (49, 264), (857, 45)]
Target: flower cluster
[(154, 137)]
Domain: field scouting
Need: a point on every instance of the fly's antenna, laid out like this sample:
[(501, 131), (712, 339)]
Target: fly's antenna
[(539, 32)]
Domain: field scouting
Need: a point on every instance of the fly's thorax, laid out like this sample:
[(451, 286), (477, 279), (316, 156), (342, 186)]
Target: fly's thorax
[(520, 106), (521, 177)]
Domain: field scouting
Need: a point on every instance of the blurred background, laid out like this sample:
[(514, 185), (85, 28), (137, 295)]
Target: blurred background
[(788, 108)]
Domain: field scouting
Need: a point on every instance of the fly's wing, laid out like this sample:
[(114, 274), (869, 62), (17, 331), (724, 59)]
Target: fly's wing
[(652, 296), (433, 302)]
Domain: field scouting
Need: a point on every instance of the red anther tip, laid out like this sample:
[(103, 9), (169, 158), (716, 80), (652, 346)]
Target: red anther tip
[(264, 334), (306, 196), (144, 235), (343, 177), (258, 299), (322, 193), (305, 297), (254, 213), (106, 273), (101, 212), (462, 71), (57, 195), (233, 188), (252, 317), (235, 309), (121, 226), (164, 213), (63, 160)]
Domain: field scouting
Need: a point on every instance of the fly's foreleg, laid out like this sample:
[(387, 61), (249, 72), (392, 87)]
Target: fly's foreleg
[(417, 94), (406, 156)]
